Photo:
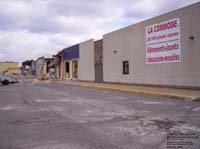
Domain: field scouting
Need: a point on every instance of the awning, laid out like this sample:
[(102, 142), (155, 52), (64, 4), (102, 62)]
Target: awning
[(56, 61)]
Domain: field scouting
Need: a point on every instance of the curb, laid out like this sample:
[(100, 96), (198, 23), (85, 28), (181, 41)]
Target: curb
[(139, 92)]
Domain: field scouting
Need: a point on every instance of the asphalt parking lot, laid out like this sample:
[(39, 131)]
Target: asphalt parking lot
[(55, 116)]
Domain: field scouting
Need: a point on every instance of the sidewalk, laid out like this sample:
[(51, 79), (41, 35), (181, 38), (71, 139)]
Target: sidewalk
[(135, 89)]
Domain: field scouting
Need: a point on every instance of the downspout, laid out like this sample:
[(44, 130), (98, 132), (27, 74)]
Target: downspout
[(62, 65)]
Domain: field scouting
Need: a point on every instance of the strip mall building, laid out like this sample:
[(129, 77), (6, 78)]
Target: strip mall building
[(164, 50), (83, 61)]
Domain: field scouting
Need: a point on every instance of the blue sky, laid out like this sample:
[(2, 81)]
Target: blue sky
[(33, 28)]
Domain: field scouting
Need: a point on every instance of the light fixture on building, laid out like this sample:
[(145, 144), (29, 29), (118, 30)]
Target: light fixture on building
[(115, 51), (191, 38)]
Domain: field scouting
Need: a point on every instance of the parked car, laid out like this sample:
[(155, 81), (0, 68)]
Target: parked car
[(5, 80)]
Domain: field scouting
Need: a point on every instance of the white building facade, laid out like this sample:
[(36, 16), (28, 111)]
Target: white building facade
[(164, 50)]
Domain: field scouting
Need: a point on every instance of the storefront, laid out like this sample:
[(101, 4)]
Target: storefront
[(70, 58), (71, 69), (78, 61)]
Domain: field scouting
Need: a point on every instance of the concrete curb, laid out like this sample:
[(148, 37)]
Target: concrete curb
[(139, 92)]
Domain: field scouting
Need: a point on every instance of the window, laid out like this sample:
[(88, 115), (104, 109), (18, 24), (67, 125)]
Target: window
[(125, 67)]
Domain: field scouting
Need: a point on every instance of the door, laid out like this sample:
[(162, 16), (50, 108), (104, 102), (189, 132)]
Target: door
[(74, 69), (67, 72)]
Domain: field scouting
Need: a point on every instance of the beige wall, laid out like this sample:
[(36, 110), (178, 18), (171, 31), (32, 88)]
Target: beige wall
[(130, 45), (8, 65), (86, 61)]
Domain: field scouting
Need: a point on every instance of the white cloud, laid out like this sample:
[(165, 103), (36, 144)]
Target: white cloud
[(33, 28)]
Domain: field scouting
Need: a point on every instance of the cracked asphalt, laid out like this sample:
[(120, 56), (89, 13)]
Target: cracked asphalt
[(55, 116)]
